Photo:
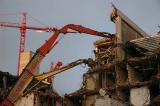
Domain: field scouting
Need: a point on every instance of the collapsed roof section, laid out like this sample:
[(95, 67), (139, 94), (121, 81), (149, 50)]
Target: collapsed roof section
[(145, 45)]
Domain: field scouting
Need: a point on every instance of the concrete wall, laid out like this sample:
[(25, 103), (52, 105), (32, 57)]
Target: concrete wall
[(58, 103), (28, 100), (92, 81), (89, 101), (140, 96), (68, 102), (106, 101), (24, 59)]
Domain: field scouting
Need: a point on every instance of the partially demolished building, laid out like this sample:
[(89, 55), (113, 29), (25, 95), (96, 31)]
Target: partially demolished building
[(42, 95), (126, 69), (125, 72)]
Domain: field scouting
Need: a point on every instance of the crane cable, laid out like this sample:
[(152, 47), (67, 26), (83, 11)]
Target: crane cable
[(38, 21)]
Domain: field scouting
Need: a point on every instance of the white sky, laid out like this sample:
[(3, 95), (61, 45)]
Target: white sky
[(94, 14)]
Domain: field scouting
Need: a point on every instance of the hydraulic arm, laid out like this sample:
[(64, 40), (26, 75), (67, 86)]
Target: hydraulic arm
[(59, 70), (27, 75), (56, 70)]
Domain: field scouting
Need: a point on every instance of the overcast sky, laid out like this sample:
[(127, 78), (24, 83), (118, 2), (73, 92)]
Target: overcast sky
[(94, 14)]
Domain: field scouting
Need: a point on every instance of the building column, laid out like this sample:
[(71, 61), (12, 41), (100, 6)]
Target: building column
[(139, 96)]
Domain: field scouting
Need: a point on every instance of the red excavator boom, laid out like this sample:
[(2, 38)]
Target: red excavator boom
[(27, 75)]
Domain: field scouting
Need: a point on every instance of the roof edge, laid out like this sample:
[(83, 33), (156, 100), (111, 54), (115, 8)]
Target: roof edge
[(116, 12)]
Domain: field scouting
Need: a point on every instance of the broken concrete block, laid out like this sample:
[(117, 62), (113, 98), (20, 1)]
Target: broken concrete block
[(140, 96)]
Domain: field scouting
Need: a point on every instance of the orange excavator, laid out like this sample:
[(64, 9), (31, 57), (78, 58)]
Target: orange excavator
[(27, 75)]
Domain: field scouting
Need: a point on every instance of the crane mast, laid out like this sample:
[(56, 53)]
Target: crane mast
[(22, 40)]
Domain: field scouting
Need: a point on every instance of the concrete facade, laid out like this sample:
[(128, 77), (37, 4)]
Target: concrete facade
[(24, 59), (28, 100), (107, 101)]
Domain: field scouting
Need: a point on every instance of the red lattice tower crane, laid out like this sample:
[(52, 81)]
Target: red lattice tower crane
[(23, 28)]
